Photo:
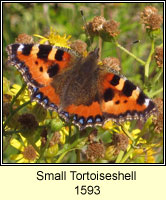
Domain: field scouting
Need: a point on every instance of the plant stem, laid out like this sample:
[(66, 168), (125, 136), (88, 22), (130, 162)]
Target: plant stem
[(62, 156), (127, 133), (100, 39), (156, 92), (17, 95), (75, 145), (127, 155), (119, 157), (149, 59), (6, 133), (78, 153), (129, 53), (7, 143), (156, 78)]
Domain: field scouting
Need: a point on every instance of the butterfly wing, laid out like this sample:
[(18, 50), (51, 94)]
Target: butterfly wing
[(39, 64), (122, 100)]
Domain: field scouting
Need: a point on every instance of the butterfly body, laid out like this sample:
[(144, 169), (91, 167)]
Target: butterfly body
[(77, 87)]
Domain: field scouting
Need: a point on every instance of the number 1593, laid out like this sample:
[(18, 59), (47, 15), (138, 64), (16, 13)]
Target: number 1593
[(88, 190)]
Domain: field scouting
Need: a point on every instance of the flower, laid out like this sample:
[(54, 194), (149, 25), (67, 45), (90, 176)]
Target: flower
[(145, 155), (150, 18), (55, 139), (126, 128), (27, 152), (111, 27), (159, 56), (63, 133), (97, 23), (79, 46), (109, 125), (54, 39), (111, 63), (6, 85), (24, 38), (120, 141), (159, 120), (28, 124), (95, 150), (23, 97), (107, 30)]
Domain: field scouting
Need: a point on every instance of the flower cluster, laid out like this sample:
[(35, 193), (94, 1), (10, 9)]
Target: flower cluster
[(105, 29), (95, 151), (111, 62), (151, 18), (79, 46), (159, 120), (24, 38), (159, 56)]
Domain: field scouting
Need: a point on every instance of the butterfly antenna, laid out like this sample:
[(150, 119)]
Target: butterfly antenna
[(134, 42), (86, 30)]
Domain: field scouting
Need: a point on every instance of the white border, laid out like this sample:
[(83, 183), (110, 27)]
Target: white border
[(93, 164)]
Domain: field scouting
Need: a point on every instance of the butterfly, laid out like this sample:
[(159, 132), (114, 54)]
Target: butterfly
[(77, 87)]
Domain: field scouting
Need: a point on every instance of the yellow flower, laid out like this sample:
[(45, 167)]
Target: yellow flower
[(109, 125), (63, 132), (150, 156), (27, 154), (23, 97), (134, 132), (6, 85), (54, 39), (145, 155)]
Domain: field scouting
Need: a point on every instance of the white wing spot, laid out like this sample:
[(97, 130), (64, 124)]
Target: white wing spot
[(147, 102), (20, 47), (138, 89)]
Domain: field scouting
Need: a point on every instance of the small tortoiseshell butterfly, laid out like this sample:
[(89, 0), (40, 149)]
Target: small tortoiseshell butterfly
[(77, 87)]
